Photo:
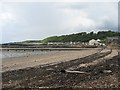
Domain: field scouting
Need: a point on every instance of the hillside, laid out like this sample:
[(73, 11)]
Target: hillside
[(81, 37)]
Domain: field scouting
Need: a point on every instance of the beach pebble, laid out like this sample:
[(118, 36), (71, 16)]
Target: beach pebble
[(10, 82), (56, 66), (49, 69)]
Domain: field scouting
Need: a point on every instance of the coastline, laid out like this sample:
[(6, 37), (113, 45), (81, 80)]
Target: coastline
[(52, 57), (103, 74)]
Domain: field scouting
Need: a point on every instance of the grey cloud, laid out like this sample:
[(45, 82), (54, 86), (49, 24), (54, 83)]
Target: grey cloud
[(40, 20)]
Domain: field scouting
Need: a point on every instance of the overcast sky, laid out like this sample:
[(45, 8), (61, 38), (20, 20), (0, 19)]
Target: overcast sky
[(37, 20)]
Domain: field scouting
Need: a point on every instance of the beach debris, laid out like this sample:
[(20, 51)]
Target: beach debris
[(77, 72), (49, 69), (68, 71), (82, 65), (107, 71)]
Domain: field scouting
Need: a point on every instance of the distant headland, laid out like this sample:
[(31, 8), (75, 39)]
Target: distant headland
[(82, 39)]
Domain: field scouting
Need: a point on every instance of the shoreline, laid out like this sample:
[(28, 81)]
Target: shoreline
[(15, 63), (54, 76)]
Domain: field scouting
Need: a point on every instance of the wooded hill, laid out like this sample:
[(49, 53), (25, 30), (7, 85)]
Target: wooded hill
[(81, 37)]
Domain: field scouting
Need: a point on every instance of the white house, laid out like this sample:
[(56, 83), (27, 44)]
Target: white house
[(94, 42), (98, 40), (55, 43)]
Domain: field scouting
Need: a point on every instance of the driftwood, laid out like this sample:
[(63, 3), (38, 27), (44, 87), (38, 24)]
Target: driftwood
[(75, 72)]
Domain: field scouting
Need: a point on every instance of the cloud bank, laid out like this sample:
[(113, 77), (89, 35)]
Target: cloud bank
[(37, 20)]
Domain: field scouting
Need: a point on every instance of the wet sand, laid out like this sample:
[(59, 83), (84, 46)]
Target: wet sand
[(103, 73), (53, 57)]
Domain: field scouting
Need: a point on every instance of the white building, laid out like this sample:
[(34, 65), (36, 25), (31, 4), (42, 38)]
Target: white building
[(55, 43), (94, 42), (98, 40)]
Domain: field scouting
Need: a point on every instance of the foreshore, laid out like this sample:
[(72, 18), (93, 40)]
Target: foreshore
[(88, 70), (50, 57)]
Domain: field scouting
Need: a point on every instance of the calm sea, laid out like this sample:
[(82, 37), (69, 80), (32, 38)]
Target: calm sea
[(19, 53)]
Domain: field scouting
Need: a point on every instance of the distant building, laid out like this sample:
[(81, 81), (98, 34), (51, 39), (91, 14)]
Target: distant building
[(93, 42), (98, 40), (55, 43), (113, 40)]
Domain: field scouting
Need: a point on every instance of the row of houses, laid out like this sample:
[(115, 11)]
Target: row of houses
[(92, 42)]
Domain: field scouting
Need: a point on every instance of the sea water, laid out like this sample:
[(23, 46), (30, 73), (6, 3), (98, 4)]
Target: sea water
[(20, 53)]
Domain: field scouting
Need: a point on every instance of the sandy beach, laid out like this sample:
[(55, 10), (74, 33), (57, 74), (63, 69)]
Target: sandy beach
[(52, 57), (92, 70)]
